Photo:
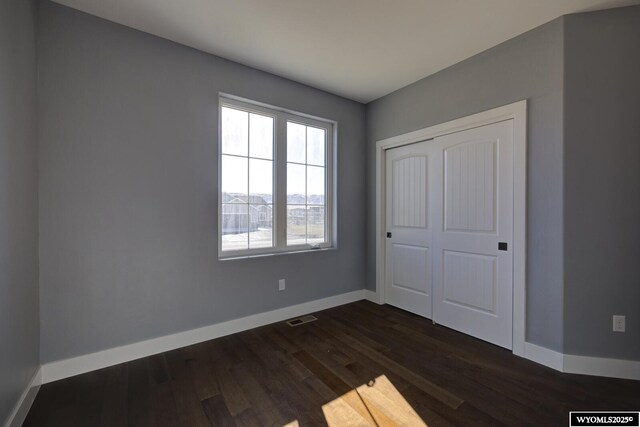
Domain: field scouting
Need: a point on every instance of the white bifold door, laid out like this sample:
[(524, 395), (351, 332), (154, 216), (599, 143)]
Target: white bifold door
[(450, 218)]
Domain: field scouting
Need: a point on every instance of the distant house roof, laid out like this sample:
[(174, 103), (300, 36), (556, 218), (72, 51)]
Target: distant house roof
[(243, 198), (259, 199)]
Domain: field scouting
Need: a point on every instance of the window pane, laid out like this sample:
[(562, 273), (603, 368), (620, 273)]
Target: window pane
[(234, 179), (234, 227), (315, 146), (235, 131), (315, 225), (315, 185), (296, 142), (296, 191), (260, 181), (260, 136), (296, 225), (260, 226)]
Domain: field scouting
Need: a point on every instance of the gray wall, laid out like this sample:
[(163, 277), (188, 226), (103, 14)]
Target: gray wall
[(128, 189), (19, 324), (527, 67), (602, 182)]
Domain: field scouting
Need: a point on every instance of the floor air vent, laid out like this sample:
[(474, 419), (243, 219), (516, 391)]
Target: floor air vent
[(300, 320)]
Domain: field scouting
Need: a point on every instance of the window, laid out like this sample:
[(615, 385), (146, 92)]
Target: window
[(275, 181)]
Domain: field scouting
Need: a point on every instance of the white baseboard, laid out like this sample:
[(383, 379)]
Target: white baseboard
[(544, 356), (57, 370), (372, 296), (585, 365), (602, 367), (20, 411)]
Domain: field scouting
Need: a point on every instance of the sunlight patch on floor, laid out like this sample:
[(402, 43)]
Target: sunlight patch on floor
[(377, 403)]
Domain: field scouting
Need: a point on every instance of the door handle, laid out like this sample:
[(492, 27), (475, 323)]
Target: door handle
[(388, 234), (502, 246)]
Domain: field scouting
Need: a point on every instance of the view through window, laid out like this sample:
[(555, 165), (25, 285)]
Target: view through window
[(247, 180), (305, 184)]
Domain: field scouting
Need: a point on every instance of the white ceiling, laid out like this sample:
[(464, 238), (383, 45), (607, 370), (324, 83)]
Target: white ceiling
[(360, 49)]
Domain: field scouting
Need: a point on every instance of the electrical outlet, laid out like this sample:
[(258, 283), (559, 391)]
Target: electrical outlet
[(618, 323), (281, 285)]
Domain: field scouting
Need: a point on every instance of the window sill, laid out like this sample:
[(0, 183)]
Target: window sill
[(297, 251)]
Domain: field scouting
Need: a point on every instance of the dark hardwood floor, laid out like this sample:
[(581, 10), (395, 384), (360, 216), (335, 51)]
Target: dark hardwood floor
[(277, 374)]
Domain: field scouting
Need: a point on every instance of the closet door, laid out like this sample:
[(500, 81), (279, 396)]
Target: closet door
[(472, 233), (408, 226)]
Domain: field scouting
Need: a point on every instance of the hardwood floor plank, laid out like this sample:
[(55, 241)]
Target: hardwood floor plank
[(282, 354), (188, 407), (158, 368), (203, 381), (114, 411), (163, 405), (234, 398), (321, 388), (279, 339), (348, 329), (247, 418), (331, 380), (262, 404), (217, 412), (138, 393)]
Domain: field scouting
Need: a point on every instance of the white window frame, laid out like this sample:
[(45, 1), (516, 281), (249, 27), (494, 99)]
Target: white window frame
[(281, 116)]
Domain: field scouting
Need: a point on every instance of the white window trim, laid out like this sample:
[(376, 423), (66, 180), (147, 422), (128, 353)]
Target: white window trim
[(281, 116)]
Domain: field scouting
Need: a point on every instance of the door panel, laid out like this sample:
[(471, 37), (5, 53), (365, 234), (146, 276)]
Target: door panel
[(408, 258), (470, 185), (409, 192), (470, 280), (410, 268), (473, 282)]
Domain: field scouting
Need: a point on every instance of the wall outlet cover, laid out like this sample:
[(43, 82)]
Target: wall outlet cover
[(618, 323)]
